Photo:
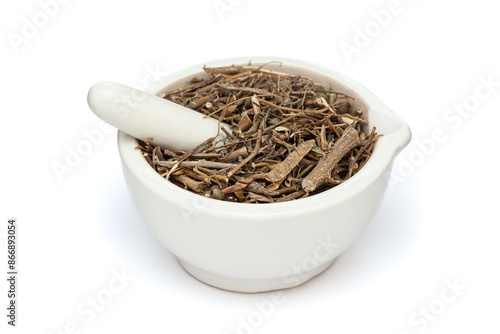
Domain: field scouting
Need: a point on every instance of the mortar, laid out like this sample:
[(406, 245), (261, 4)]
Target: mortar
[(262, 247)]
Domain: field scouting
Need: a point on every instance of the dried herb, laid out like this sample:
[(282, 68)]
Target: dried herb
[(291, 137)]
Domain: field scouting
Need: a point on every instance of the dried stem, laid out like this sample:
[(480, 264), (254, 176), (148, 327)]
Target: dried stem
[(323, 170), (284, 168), (196, 163), (247, 159)]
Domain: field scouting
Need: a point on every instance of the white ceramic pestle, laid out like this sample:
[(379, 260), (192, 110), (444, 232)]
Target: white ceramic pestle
[(143, 115)]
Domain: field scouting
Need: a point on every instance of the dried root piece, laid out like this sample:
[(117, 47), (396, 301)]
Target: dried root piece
[(323, 170), (284, 168)]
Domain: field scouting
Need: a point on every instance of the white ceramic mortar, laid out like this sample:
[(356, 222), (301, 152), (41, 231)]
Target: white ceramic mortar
[(261, 247)]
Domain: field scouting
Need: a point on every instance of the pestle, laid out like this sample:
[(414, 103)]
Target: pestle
[(143, 115)]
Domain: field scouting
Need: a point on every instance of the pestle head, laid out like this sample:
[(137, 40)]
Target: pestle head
[(143, 115)]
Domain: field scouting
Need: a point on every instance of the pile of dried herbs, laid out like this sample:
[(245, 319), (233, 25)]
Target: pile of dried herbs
[(292, 137)]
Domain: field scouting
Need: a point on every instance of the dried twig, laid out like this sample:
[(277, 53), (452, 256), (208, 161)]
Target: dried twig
[(284, 168), (247, 159), (195, 163), (323, 170)]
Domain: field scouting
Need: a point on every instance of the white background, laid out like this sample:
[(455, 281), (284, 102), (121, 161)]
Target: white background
[(437, 224)]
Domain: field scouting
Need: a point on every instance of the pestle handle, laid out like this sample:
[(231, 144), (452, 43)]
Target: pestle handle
[(143, 115)]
